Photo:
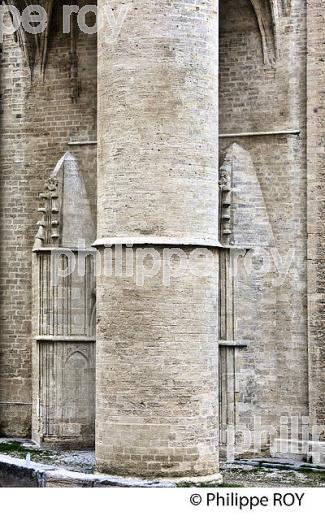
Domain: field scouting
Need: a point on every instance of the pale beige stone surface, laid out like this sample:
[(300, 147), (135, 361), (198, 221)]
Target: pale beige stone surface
[(158, 180)]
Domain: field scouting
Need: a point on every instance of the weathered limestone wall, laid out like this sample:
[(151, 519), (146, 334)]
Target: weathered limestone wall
[(15, 272), (316, 209), (157, 381), (272, 376), (248, 85), (160, 151), (39, 120)]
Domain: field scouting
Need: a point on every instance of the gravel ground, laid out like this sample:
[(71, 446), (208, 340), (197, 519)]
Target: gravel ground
[(77, 460), (250, 476)]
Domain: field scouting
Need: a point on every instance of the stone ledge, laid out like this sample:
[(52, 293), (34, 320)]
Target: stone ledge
[(24, 473), (278, 463), (311, 451), (148, 240)]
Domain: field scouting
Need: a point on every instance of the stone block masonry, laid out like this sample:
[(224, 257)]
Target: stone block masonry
[(157, 362), (159, 85)]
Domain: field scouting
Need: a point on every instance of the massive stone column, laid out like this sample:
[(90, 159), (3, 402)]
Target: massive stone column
[(157, 342)]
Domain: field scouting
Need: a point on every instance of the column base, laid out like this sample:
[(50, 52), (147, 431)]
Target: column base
[(214, 480)]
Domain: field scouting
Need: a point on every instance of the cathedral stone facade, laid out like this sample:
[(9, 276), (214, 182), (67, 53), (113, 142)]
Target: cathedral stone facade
[(179, 133)]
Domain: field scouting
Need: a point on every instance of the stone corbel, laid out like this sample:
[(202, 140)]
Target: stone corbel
[(264, 10), (268, 14)]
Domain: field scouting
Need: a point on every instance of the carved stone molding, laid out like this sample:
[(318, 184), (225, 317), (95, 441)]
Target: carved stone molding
[(35, 46), (66, 215), (268, 14)]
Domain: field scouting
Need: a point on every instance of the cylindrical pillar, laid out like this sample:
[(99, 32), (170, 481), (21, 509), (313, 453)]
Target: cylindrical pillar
[(157, 341)]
